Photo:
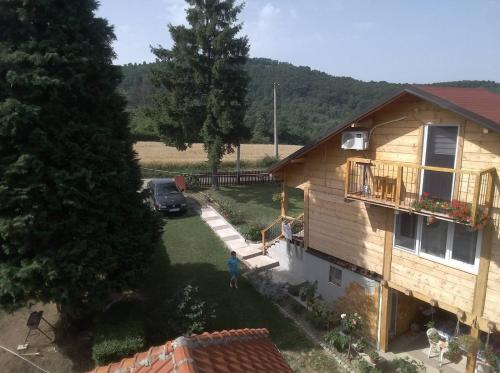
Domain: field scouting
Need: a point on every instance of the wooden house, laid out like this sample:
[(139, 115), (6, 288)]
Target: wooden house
[(407, 195)]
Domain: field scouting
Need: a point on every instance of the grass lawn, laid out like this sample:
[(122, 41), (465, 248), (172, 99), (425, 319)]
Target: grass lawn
[(198, 256), (256, 201)]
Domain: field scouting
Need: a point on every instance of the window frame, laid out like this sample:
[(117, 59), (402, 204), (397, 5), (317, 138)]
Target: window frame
[(424, 153), (339, 270), (447, 260)]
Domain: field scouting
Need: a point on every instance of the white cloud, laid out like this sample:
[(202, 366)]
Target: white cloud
[(176, 11)]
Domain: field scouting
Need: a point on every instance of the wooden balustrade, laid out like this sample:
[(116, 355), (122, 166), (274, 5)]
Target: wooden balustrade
[(274, 230), (451, 194)]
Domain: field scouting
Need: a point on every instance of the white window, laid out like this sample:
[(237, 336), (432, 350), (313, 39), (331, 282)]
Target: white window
[(448, 243), (335, 276)]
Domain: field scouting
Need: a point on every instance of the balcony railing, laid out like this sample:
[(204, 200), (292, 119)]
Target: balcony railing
[(445, 193)]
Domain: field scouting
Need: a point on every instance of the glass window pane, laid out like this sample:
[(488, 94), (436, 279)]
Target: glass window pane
[(406, 231), (464, 244), (434, 238)]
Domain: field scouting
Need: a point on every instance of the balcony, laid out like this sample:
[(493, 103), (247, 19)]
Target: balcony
[(455, 195)]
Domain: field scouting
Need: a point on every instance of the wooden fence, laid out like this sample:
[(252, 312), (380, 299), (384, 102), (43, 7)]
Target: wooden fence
[(204, 179)]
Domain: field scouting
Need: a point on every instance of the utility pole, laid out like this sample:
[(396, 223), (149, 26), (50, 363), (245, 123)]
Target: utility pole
[(276, 154)]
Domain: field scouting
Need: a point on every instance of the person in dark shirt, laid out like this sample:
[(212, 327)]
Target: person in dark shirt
[(233, 264)]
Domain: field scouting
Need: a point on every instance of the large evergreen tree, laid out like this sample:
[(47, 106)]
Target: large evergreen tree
[(73, 227), (202, 81)]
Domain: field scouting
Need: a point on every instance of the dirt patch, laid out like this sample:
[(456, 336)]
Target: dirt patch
[(68, 354)]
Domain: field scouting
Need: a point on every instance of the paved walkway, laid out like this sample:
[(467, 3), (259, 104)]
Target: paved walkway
[(249, 253)]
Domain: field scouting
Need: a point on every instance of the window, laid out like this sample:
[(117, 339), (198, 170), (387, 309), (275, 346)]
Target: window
[(448, 243), (434, 238), (335, 276), (406, 231)]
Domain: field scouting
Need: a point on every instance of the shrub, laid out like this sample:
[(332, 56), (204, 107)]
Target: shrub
[(268, 161), (338, 340), (228, 209), (307, 292), (252, 231), (374, 356), (115, 340), (491, 357), (321, 314), (407, 365), (295, 289), (188, 313), (365, 367), (297, 308)]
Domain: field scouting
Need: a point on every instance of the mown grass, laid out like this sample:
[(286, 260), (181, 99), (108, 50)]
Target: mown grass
[(256, 202), (198, 256)]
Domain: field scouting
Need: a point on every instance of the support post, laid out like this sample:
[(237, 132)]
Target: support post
[(276, 153), (284, 198), (238, 165), (306, 217), (480, 291), (475, 199), (399, 181), (385, 314)]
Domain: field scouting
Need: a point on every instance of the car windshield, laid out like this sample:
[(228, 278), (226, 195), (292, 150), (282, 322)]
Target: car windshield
[(163, 189)]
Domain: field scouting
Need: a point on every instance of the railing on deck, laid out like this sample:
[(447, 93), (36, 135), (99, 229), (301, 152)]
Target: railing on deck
[(274, 230), (450, 194)]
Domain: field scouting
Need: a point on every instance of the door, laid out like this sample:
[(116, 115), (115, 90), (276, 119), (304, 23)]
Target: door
[(439, 151)]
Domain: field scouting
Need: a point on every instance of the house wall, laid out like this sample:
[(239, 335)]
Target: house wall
[(356, 293), (355, 231)]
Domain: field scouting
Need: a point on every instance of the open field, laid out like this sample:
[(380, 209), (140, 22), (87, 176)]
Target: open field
[(151, 152)]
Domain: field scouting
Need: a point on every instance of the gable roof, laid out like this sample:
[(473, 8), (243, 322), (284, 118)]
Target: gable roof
[(231, 351), (476, 104)]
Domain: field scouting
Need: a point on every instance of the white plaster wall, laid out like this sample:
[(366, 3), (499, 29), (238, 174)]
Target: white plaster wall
[(297, 265)]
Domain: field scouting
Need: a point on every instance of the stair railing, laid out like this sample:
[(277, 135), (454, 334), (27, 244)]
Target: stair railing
[(274, 231)]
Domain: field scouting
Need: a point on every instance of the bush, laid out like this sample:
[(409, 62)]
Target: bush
[(365, 367), (252, 231), (297, 308), (374, 356), (228, 209), (407, 365), (338, 340), (271, 290), (118, 333), (188, 313), (321, 314), (307, 292), (268, 161), (295, 289)]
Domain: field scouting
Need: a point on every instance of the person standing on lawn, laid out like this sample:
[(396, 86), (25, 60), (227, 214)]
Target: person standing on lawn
[(233, 264)]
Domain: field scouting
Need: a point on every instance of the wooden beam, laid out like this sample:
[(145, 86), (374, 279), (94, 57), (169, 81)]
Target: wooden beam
[(306, 217), (399, 181), (475, 199), (298, 160), (385, 312), (284, 199), (347, 176)]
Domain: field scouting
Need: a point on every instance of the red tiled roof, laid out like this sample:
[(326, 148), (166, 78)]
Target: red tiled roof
[(476, 100), (231, 351)]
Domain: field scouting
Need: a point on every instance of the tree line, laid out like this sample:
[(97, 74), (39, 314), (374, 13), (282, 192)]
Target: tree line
[(309, 101)]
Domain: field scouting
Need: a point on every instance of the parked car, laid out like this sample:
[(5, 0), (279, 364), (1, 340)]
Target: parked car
[(165, 196)]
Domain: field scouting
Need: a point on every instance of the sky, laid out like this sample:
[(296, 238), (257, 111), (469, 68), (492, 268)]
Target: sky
[(405, 41)]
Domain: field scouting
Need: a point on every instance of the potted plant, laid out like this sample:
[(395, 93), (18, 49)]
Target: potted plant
[(453, 352), (490, 361)]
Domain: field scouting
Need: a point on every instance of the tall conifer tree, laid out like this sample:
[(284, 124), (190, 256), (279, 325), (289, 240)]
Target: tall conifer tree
[(73, 227), (202, 81)]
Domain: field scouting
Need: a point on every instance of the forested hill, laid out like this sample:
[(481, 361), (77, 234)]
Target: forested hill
[(309, 101)]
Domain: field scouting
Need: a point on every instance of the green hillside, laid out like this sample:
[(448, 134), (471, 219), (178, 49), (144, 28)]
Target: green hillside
[(309, 101)]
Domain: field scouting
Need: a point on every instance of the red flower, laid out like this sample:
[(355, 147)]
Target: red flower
[(426, 194)]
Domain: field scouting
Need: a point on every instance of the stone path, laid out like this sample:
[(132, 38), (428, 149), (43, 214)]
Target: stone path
[(250, 254)]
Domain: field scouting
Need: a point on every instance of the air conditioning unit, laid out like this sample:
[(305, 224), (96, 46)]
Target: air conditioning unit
[(355, 140)]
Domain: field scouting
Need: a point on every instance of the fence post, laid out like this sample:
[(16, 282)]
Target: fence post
[(398, 186), (475, 199)]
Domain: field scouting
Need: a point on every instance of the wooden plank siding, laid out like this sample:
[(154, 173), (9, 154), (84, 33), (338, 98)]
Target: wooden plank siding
[(355, 231)]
